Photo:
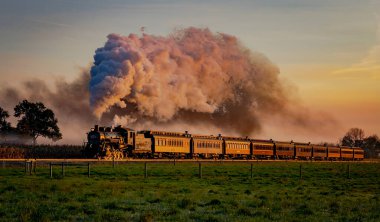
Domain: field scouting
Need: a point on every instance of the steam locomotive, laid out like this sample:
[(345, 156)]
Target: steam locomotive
[(120, 142)]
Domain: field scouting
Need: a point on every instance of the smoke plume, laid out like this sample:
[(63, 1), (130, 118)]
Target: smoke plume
[(192, 80), (193, 76)]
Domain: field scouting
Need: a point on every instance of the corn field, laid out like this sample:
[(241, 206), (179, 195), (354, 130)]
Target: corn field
[(11, 151)]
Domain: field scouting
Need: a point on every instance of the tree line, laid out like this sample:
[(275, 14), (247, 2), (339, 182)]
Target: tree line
[(355, 137), (34, 120)]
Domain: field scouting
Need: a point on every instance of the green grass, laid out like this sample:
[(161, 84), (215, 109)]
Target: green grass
[(226, 192)]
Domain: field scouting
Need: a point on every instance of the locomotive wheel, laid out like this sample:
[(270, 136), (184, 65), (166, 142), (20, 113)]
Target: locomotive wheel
[(108, 152), (117, 155)]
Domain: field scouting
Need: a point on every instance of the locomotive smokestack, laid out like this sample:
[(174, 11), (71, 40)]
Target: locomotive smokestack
[(96, 128)]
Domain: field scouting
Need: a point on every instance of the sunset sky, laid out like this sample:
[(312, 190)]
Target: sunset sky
[(329, 51)]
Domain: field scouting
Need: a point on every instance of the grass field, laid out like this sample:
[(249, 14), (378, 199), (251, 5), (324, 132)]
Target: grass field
[(226, 192)]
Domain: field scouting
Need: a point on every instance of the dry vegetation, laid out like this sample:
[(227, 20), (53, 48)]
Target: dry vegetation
[(12, 151)]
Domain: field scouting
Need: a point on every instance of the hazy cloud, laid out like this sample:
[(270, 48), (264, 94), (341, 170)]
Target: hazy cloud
[(368, 66)]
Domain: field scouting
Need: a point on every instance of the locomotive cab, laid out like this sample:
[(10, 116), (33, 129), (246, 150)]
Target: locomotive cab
[(127, 134)]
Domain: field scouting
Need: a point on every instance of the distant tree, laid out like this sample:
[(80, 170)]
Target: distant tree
[(354, 137), (36, 120), (371, 145), (4, 125)]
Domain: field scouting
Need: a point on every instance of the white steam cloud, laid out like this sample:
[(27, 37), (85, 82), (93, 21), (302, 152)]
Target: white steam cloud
[(191, 75), (192, 80)]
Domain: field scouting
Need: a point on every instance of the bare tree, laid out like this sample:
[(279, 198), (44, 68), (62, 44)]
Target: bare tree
[(354, 137)]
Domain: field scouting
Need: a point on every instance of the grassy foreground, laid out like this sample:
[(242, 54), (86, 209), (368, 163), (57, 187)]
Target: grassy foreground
[(226, 192)]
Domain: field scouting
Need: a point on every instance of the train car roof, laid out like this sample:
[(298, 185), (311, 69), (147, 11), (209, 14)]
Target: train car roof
[(164, 133), (302, 144), (236, 138), (205, 137), (262, 141), (284, 142)]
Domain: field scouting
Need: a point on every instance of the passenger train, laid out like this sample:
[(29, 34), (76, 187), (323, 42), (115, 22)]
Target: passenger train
[(120, 142)]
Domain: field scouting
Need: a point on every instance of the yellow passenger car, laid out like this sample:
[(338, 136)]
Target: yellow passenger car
[(170, 142), (346, 153), (358, 153), (262, 149), (206, 146), (303, 151), (237, 147), (319, 152), (333, 153), (285, 150)]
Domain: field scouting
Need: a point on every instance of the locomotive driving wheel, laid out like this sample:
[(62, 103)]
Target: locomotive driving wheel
[(117, 154), (109, 152)]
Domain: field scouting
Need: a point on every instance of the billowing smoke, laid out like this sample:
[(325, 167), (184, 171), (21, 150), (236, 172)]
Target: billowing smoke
[(192, 76), (192, 80)]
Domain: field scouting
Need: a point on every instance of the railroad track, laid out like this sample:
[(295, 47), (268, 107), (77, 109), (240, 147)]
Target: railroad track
[(179, 160)]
